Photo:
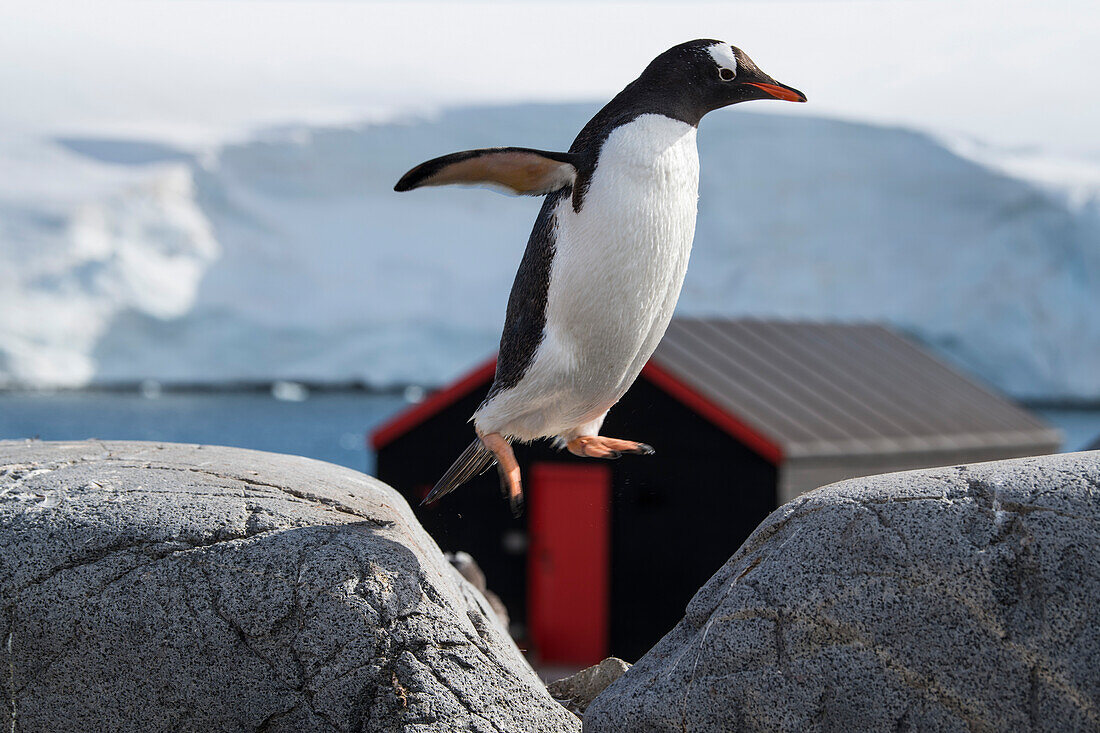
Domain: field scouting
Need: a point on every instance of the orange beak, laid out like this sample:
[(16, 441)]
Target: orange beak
[(779, 92)]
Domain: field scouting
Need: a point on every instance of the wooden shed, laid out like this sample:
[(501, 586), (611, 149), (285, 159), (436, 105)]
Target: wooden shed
[(744, 416)]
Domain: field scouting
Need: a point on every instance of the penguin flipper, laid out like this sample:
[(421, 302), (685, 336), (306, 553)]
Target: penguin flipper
[(474, 460), (520, 171)]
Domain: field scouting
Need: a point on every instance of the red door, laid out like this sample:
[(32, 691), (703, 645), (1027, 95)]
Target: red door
[(568, 565)]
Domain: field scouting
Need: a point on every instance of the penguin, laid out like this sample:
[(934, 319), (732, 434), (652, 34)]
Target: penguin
[(606, 258)]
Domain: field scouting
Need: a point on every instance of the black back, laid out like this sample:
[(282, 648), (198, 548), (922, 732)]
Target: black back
[(526, 317)]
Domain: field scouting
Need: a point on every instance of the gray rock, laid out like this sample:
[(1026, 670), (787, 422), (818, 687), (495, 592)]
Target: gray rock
[(577, 691), (468, 568), (950, 599), (149, 587)]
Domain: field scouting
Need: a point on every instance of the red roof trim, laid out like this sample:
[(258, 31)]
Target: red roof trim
[(405, 421), (437, 401), (671, 384)]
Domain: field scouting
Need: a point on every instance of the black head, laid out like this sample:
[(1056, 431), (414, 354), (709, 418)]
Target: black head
[(704, 75)]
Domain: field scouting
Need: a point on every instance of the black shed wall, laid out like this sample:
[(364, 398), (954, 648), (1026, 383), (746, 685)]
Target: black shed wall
[(676, 516)]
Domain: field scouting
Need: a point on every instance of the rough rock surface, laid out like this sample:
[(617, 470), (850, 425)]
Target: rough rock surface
[(577, 691), (951, 599), (468, 568), (148, 587)]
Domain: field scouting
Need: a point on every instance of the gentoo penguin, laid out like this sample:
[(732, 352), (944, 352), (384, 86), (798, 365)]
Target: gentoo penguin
[(606, 258)]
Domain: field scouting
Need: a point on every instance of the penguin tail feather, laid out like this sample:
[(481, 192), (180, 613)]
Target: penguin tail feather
[(474, 460)]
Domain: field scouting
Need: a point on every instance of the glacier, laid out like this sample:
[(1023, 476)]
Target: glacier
[(285, 254)]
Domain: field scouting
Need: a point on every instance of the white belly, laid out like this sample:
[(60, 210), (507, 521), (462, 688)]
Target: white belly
[(615, 279)]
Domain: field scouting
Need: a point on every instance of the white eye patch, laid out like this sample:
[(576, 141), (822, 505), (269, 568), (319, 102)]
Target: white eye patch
[(722, 53)]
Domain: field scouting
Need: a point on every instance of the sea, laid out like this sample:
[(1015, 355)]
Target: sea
[(331, 426)]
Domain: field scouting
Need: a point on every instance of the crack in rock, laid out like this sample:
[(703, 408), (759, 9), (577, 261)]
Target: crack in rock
[(155, 549), (14, 706), (305, 495)]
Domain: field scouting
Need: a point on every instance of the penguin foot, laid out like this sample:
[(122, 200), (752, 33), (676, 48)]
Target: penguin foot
[(597, 446), (508, 469)]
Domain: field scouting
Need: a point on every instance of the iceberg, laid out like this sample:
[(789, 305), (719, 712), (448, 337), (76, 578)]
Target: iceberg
[(286, 256)]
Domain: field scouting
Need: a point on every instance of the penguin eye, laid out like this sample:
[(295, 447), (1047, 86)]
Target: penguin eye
[(726, 74)]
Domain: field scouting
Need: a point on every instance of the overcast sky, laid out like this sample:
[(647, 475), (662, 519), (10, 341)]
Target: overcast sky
[(1009, 73)]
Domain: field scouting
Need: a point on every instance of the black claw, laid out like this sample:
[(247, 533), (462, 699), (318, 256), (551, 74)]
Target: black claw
[(612, 455), (517, 506), (644, 449)]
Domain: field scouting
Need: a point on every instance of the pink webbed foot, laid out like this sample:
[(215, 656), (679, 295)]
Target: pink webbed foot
[(597, 446)]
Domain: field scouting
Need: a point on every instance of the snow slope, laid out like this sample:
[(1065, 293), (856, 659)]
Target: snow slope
[(288, 256)]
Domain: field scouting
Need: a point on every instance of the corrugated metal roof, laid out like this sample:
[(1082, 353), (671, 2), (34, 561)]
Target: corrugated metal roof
[(819, 389)]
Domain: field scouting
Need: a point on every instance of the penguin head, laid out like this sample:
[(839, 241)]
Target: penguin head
[(704, 75)]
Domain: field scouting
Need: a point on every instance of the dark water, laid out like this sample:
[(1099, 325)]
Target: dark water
[(329, 426)]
